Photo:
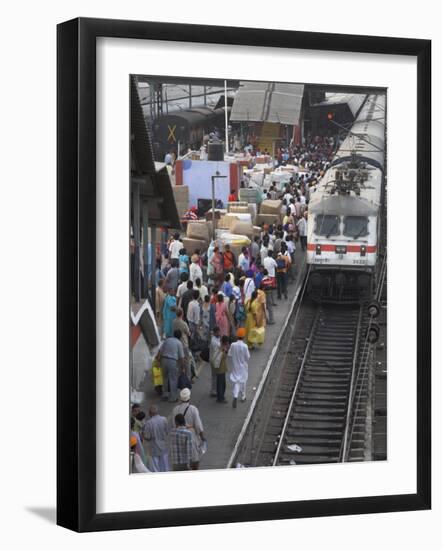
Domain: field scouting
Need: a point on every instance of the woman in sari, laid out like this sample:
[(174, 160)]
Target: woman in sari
[(252, 306), (222, 316), (206, 319), (159, 303), (216, 261), (261, 315), (169, 312)]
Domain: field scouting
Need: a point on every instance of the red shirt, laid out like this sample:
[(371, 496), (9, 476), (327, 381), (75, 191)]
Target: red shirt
[(228, 260), (231, 198)]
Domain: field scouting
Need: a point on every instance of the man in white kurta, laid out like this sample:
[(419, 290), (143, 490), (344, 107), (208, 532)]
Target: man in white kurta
[(239, 357)]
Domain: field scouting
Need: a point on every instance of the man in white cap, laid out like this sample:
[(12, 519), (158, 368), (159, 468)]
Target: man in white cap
[(193, 423)]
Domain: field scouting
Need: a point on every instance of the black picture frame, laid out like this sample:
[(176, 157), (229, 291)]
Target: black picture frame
[(76, 273)]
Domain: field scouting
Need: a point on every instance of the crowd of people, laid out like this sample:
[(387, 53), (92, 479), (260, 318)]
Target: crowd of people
[(213, 307)]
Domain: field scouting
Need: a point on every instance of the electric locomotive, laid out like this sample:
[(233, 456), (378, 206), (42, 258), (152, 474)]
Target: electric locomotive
[(345, 211)]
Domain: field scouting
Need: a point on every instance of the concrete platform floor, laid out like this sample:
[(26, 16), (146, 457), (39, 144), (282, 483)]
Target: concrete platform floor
[(222, 423)]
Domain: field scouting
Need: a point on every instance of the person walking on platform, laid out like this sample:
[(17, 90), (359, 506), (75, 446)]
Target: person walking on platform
[(169, 313), (216, 262), (251, 306), (180, 324), (283, 264), (195, 270), (171, 280), (270, 265), (222, 315), (214, 358), (229, 259), (155, 432), (160, 296), (267, 285), (193, 424), (180, 444), (221, 371), (302, 228), (172, 358), (239, 355)]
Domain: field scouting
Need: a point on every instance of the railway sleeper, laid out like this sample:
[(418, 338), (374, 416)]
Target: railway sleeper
[(320, 392), (315, 450), (327, 370), (320, 442), (329, 435), (323, 404), (323, 424), (299, 459), (325, 385)]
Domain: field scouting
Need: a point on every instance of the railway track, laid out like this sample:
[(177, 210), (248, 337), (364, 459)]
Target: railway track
[(316, 428), (316, 400)]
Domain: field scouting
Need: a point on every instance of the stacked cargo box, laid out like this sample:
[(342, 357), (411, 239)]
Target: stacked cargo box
[(270, 212), (181, 195)]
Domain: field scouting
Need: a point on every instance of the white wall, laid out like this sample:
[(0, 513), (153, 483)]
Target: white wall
[(27, 229), (197, 175)]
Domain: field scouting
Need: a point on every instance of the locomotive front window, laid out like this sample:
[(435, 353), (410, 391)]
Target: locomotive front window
[(355, 226), (327, 225)]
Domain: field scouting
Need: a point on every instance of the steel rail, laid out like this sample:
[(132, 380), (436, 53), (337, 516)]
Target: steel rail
[(295, 389), (354, 376), (365, 356)]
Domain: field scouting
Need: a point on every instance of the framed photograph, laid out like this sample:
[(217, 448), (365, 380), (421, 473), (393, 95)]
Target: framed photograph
[(227, 347)]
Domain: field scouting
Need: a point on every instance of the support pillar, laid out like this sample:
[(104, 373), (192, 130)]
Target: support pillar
[(146, 258), (137, 238)]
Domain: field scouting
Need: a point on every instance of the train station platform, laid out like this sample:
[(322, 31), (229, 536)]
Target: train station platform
[(222, 423)]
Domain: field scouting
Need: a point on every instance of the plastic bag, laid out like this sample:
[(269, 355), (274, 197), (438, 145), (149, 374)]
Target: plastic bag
[(157, 373)]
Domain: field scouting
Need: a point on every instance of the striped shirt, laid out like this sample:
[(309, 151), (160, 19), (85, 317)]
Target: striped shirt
[(180, 445)]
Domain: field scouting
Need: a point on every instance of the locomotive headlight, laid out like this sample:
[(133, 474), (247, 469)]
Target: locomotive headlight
[(363, 250), (318, 249), (341, 249)]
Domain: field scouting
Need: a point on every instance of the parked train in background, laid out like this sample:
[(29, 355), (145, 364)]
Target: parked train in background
[(178, 131), (345, 212)]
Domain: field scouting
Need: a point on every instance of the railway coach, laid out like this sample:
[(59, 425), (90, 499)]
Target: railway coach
[(345, 213), (185, 129)]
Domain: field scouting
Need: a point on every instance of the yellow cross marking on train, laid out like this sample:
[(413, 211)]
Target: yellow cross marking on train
[(171, 136)]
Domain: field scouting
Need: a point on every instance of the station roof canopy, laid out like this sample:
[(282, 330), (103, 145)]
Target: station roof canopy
[(153, 178), (275, 102)]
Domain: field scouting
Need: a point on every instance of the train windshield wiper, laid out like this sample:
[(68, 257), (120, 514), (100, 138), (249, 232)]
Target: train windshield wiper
[(359, 233), (332, 229)]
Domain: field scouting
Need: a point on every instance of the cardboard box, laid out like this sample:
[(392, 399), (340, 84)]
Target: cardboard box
[(253, 209), (228, 220), (181, 193), (250, 195), (194, 244), (242, 228), (238, 209), (199, 230), (270, 207), (268, 218), (181, 189), (233, 205)]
